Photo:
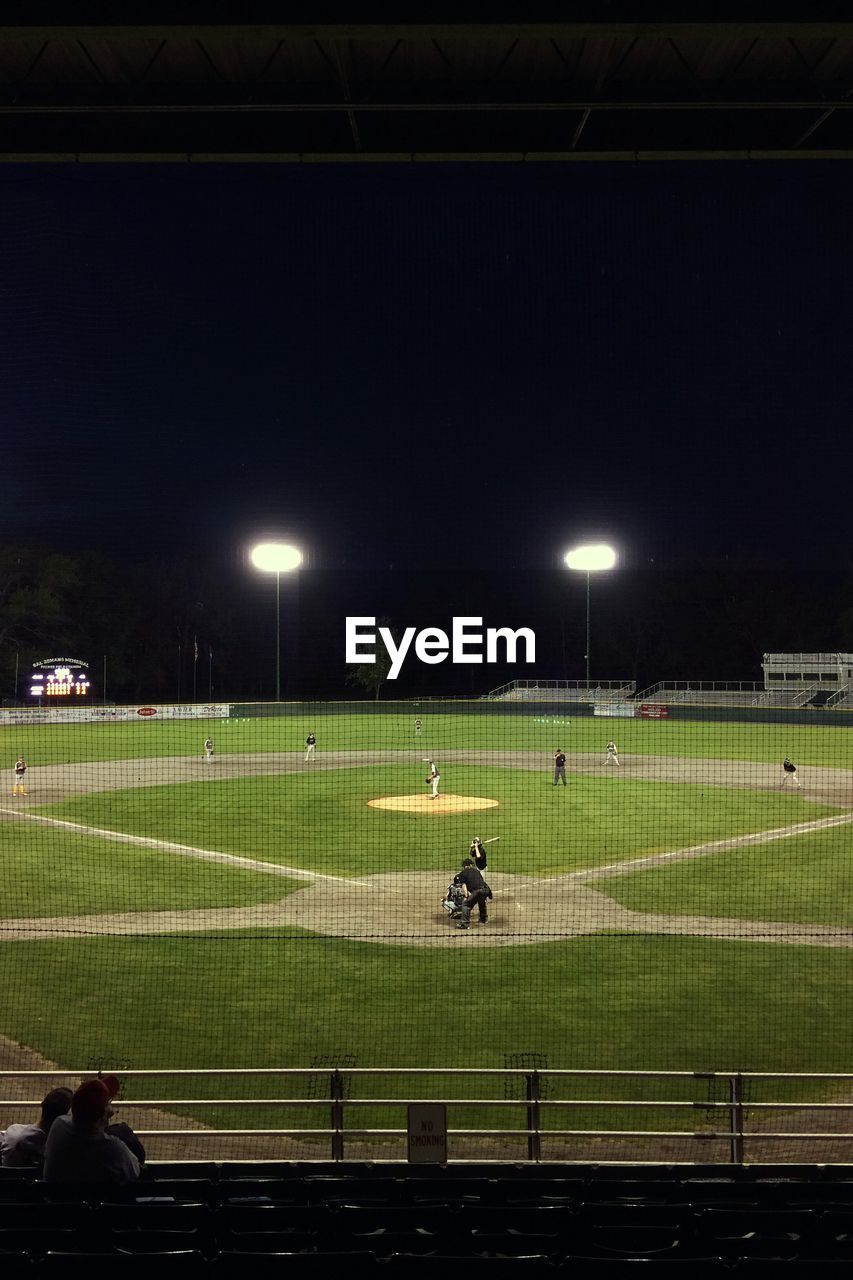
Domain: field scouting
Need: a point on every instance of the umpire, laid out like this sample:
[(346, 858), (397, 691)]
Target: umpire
[(477, 894)]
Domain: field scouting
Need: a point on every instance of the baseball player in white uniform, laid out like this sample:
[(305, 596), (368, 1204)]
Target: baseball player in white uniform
[(418, 727), (612, 756), (310, 747), (433, 779), (208, 749)]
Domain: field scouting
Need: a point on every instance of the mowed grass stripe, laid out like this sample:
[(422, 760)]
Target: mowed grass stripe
[(807, 744), (185, 850)]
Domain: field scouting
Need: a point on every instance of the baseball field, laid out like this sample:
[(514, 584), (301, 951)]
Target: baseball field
[(680, 910)]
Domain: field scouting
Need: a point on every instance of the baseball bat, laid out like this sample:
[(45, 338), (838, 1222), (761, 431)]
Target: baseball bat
[(492, 841)]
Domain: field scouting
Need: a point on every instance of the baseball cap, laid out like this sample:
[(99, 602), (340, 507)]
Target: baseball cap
[(91, 1100)]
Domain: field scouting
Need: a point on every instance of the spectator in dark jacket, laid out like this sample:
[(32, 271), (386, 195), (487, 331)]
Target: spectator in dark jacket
[(79, 1147)]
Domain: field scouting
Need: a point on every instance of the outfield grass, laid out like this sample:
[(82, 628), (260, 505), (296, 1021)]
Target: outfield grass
[(70, 743), (806, 879), (321, 821), (49, 872)]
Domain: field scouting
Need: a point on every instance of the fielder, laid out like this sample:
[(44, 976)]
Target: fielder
[(433, 779), (559, 766), (790, 774), (418, 727), (310, 747), (208, 749), (612, 756), (18, 788)]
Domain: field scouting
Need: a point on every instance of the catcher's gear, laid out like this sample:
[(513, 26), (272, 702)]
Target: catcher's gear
[(453, 900)]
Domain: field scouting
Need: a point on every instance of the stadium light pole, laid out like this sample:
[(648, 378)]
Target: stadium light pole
[(277, 558), (592, 557)]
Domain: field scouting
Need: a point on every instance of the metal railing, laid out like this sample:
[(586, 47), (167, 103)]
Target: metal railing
[(360, 1113), (583, 688), (805, 695), (669, 688), (840, 695)]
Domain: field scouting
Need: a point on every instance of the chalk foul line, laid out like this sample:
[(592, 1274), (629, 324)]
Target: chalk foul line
[(185, 850), (612, 869)]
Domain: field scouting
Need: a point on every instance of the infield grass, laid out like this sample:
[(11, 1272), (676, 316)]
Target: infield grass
[(321, 821)]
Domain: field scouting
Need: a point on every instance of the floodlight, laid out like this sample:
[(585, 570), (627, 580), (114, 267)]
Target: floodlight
[(591, 557), (276, 557)]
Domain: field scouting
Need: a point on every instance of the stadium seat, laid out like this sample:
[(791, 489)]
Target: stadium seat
[(751, 1232), (169, 1215), (197, 1190), (41, 1214), (342, 1190), (284, 1266), (89, 1265), (533, 1191), (634, 1241), (258, 1215), (531, 1220), (605, 1214), (680, 1268), (517, 1268), (179, 1170), (292, 1191), (36, 1241)]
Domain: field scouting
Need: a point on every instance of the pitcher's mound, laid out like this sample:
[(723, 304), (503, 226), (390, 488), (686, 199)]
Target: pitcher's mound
[(426, 804)]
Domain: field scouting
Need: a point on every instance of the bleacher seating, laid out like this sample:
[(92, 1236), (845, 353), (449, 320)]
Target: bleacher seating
[(392, 1220)]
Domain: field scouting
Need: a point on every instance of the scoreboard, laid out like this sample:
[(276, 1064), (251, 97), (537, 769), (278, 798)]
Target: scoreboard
[(60, 680)]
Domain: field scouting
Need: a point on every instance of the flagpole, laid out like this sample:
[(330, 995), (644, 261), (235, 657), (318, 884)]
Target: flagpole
[(209, 674), (195, 666)]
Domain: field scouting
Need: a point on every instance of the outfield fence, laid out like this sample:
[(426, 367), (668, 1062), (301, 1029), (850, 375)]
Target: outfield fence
[(493, 1115)]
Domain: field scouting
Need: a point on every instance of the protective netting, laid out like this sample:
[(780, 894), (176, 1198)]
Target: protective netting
[(224, 893)]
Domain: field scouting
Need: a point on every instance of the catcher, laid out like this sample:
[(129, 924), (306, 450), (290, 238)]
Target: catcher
[(477, 894)]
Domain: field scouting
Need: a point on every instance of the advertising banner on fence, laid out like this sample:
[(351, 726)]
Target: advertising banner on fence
[(652, 711), (623, 710), (93, 715), (190, 711)]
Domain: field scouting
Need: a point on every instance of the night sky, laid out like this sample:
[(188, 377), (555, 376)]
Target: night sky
[(430, 367), (413, 366)]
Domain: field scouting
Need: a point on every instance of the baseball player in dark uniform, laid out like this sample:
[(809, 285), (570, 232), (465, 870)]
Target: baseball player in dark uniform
[(477, 894), (790, 774), (559, 766), (477, 854), (18, 788)]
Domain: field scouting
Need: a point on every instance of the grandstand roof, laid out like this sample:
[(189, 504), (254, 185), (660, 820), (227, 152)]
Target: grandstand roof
[(617, 82)]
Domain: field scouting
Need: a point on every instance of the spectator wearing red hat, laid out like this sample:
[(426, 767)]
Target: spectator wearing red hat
[(78, 1148), (22, 1145)]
